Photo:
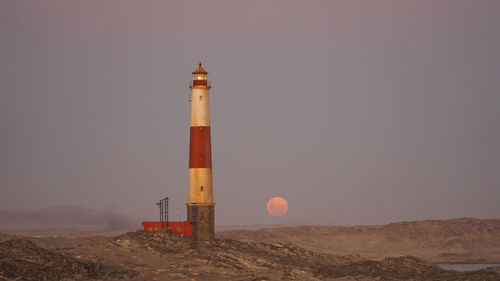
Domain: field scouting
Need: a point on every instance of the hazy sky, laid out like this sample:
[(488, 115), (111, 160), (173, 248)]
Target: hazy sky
[(356, 112)]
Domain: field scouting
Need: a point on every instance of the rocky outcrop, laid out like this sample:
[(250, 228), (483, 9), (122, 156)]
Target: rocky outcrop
[(22, 259), (287, 261)]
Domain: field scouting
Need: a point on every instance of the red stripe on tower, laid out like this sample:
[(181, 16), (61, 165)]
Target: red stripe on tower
[(200, 155)]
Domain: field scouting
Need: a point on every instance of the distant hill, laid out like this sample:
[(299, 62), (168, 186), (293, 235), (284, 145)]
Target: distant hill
[(67, 217), (454, 240)]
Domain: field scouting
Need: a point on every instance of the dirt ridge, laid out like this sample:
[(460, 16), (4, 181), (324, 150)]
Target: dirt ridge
[(454, 240)]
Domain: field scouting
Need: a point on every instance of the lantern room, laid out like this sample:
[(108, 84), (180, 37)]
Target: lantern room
[(200, 76)]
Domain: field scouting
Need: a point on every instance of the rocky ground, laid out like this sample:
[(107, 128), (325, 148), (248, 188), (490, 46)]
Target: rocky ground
[(22, 259), (142, 255), (465, 240)]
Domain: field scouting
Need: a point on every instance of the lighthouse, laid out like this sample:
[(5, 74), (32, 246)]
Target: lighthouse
[(200, 205)]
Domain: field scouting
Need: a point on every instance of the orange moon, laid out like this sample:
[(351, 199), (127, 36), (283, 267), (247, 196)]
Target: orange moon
[(277, 206)]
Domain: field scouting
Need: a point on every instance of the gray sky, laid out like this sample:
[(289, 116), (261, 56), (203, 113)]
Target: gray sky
[(356, 112)]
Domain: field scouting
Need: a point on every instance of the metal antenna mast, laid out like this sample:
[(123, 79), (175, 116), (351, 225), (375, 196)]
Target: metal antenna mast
[(163, 205)]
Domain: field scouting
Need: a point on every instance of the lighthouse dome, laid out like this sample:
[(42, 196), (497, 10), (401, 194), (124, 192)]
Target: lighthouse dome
[(200, 70)]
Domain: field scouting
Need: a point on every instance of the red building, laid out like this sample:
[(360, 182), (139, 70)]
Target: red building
[(182, 228)]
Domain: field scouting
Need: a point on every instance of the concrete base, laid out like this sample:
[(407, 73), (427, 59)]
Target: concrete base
[(203, 218)]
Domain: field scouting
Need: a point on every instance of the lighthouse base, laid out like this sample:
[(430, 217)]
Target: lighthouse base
[(203, 218)]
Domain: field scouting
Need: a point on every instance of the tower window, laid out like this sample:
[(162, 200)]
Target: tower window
[(201, 97), (201, 187)]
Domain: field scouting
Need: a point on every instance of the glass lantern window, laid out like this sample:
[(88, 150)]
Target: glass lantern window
[(199, 77)]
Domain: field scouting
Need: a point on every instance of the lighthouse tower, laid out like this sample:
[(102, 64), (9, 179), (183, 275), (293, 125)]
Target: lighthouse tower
[(200, 206)]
